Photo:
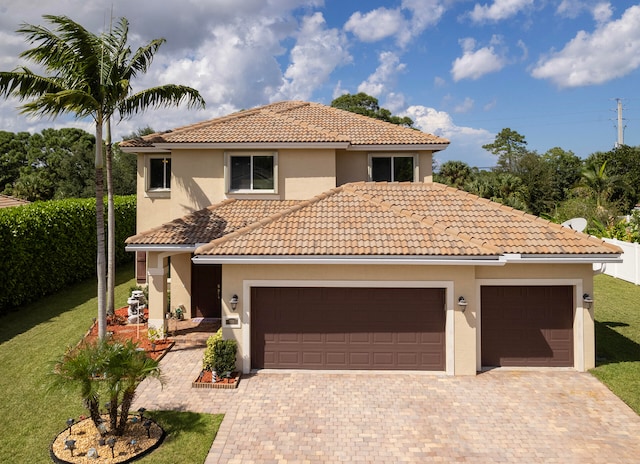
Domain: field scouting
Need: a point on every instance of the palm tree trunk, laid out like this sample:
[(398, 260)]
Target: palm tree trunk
[(100, 260), (111, 225), (125, 406)]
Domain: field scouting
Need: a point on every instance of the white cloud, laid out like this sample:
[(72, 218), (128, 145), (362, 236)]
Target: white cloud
[(466, 142), (602, 12), (465, 106), (383, 23), (599, 10), (318, 51), (375, 25), (499, 10), (473, 64), (439, 81), (611, 51), (384, 76)]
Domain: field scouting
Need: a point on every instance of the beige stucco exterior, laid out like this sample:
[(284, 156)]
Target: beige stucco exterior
[(198, 179), (463, 330)]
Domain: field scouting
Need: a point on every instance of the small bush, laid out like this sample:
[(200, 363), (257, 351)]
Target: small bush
[(224, 356), (208, 358)]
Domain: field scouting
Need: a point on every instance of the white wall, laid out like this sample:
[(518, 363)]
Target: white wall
[(629, 268)]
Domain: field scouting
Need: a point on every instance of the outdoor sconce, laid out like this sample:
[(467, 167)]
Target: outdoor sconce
[(234, 302), (588, 300), (462, 303)]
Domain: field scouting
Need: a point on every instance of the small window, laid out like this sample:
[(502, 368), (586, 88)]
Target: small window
[(392, 168), (160, 173), (252, 173)]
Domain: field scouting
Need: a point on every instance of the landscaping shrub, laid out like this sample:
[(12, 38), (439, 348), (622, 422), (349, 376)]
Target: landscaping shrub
[(209, 356), (46, 246), (224, 356)]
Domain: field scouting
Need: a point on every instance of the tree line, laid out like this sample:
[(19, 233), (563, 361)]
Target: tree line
[(557, 185), (59, 163)]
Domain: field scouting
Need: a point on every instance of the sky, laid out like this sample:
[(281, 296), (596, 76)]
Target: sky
[(552, 70)]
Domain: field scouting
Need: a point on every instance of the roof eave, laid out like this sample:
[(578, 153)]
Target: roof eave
[(250, 145), (350, 259), (562, 258), (400, 146), (171, 248)]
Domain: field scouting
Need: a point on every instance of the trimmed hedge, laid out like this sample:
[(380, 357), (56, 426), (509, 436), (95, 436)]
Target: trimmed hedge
[(45, 246)]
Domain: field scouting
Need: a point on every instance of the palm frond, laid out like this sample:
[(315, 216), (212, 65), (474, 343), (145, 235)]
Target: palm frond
[(162, 96)]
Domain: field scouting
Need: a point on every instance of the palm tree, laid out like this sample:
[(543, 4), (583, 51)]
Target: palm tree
[(127, 367), (87, 75), (79, 368), (121, 67)]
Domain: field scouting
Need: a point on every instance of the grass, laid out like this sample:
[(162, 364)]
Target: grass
[(618, 338), (34, 336)]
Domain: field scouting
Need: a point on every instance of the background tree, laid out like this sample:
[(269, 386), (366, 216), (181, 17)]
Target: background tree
[(367, 105), (623, 163), (565, 170), (509, 146), (536, 177), (454, 173), (13, 156)]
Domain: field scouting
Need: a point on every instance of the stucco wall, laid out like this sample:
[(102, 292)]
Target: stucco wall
[(462, 280)]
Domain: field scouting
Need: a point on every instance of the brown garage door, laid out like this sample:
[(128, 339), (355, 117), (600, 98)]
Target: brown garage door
[(348, 328), (527, 326)]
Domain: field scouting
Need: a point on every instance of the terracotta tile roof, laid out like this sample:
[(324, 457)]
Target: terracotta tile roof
[(292, 122), (6, 201), (379, 219), (373, 219), (212, 222)]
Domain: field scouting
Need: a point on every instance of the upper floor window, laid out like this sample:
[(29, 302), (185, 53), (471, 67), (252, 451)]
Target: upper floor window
[(250, 172), (392, 168), (160, 173)]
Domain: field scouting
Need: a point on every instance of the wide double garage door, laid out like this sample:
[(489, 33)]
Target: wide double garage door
[(348, 328), (527, 326)]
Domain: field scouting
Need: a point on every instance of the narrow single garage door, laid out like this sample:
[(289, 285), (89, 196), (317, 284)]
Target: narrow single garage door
[(348, 328), (527, 326)]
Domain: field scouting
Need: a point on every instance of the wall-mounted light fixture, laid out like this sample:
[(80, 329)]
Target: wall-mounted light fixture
[(462, 303), (587, 300), (234, 302)]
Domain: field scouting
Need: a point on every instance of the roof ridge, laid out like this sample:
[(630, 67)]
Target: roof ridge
[(267, 220), (398, 210)]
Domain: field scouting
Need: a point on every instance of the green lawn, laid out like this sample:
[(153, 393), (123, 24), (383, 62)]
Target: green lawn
[(35, 335), (617, 313)]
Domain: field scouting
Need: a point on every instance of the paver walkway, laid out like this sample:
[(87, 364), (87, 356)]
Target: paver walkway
[(495, 417)]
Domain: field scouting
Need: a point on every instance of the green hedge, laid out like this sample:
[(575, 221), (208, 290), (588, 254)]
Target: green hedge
[(45, 246)]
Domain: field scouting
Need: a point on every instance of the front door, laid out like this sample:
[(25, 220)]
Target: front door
[(206, 290)]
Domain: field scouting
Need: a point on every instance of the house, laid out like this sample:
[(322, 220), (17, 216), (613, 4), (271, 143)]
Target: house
[(7, 201), (320, 240)]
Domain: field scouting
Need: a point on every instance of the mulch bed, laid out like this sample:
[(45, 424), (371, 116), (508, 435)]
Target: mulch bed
[(205, 378), (134, 443), (122, 331), (131, 446)]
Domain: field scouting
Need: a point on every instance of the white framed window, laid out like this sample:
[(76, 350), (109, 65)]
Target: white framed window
[(159, 173), (392, 168), (252, 172)]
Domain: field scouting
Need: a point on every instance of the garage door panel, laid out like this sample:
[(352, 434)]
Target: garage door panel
[(527, 326), (352, 328), (336, 360)]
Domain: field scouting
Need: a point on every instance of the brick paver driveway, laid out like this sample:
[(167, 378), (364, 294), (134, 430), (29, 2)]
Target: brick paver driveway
[(498, 416)]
